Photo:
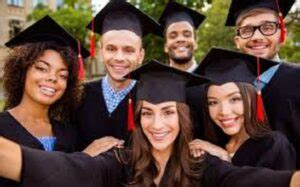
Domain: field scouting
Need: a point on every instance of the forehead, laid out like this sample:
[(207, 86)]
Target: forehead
[(121, 38), (224, 89), (256, 16), (180, 26), (159, 105)]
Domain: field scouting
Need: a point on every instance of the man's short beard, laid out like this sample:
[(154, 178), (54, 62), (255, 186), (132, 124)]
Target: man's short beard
[(181, 60)]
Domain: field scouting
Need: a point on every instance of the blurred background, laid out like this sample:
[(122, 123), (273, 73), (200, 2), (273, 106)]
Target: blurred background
[(73, 15)]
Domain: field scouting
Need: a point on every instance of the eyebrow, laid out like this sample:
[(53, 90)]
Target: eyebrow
[(233, 93), (43, 61), (164, 108), (48, 64)]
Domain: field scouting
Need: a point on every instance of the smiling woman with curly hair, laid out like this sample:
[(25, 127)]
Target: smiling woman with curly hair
[(41, 88)]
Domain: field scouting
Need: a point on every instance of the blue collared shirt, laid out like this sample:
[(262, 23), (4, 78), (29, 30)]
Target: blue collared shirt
[(113, 98), (48, 142), (267, 75)]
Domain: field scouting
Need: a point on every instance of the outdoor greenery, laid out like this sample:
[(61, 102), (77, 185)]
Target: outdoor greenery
[(75, 14)]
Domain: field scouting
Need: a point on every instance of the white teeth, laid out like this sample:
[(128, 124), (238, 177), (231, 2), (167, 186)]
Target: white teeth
[(119, 67), (159, 136), (227, 121), (181, 48), (47, 90), (259, 47)]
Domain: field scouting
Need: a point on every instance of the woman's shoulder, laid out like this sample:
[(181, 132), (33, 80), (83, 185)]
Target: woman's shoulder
[(276, 137)]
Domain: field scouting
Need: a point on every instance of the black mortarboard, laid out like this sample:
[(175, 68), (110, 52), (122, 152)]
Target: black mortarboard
[(119, 14), (239, 6), (158, 82), (175, 12), (222, 66), (46, 29)]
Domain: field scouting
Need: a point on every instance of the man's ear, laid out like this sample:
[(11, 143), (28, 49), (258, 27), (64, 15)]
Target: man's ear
[(142, 56), (237, 42)]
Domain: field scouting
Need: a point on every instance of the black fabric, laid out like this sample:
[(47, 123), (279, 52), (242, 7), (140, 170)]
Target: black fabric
[(78, 169), (46, 29), (272, 151), (239, 6), (175, 12), (282, 101), (223, 174), (10, 128), (158, 82), (127, 17), (93, 120), (194, 100), (222, 65)]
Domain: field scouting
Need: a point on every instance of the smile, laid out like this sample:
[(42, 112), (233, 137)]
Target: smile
[(47, 90), (159, 136), (228, 122)]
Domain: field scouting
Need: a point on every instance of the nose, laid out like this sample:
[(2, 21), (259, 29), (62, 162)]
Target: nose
[(157, 122), (225, 109), (257, 35), (52, 77), (119, 56), (180, 38)]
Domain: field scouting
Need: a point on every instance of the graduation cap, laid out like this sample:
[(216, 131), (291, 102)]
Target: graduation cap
[(119, 15), (222, 66), (175, 12), (157, 82), (280, 6), (46, 29)]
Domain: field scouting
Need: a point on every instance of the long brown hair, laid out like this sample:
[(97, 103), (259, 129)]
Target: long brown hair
[(253, 127), (184, 170), (22, 57)]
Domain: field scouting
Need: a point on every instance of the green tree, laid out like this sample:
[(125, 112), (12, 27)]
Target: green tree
[(291, 50), (73, 16), (213, 33)]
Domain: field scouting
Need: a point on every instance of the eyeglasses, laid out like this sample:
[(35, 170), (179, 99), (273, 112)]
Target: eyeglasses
[(266, 29)]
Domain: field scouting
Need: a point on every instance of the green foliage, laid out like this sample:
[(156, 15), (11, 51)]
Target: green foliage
[(291, 50), (73, 16)]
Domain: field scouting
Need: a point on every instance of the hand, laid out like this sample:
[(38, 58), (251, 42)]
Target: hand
[(102, 145), (198, 147), (295, 180)]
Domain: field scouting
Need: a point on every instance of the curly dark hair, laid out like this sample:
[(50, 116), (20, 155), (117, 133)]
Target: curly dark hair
[(20, 58)]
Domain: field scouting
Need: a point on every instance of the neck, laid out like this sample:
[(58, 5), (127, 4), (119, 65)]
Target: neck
[(161, 158), (183, 67), (237, 140), (276, 58), (119, 85), (37, 111)]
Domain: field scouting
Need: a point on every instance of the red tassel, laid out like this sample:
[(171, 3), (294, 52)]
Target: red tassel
[(92, 45), (282, 29), (130, 124), (259, 108), (92, 41), (259, 102), (281, 24), (81, 74)]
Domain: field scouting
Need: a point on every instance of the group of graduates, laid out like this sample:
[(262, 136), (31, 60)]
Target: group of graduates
[(232, 120)]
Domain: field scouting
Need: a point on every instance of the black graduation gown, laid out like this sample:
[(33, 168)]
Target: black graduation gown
[(194, 100), (11, 129), (93, 120), (272, 151), (81, 170), (281, 96)]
